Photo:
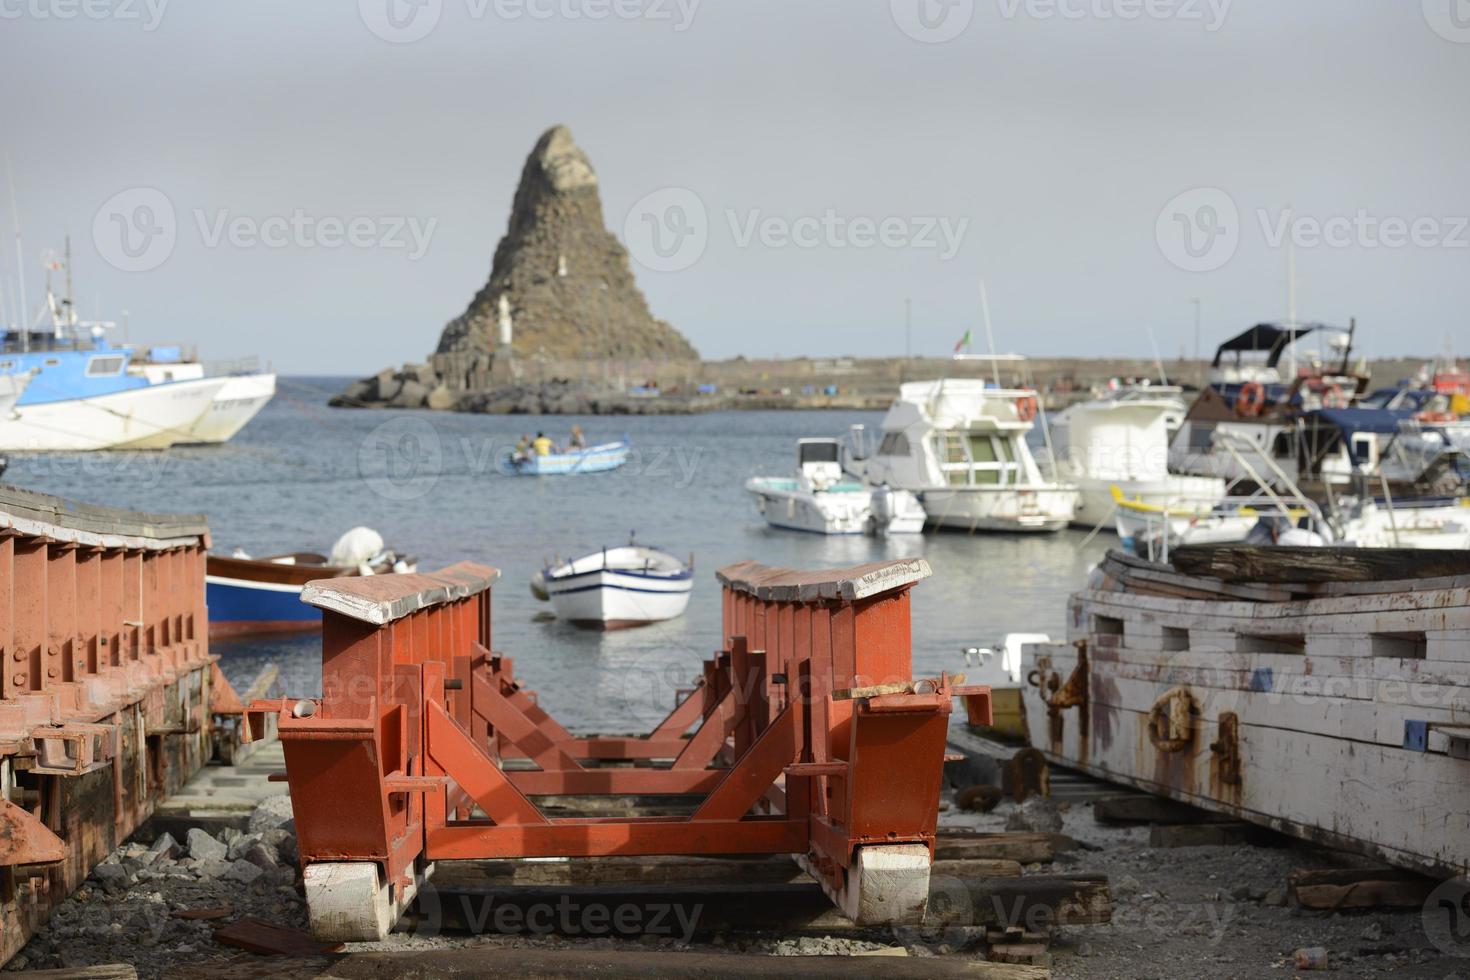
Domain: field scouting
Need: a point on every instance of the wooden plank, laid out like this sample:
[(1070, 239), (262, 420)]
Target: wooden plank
[(257, 935), (1359, 888), (108, 971), (541, 963), (1286, 565), (1136, 808)]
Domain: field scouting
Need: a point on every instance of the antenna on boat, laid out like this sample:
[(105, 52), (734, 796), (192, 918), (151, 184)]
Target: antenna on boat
[(989, 334), (20, 273), (1291, 302), (1158, 358)]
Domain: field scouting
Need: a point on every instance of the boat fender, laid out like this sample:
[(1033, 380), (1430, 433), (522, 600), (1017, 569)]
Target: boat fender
[(1251, 400), (1026, 408), (358, 545), (538, 586)]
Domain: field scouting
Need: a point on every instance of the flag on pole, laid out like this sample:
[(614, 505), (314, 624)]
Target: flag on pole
[(964, 342)]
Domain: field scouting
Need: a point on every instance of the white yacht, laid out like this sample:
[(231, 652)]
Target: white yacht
[(1121, 440), (822, 500), (960, 445)]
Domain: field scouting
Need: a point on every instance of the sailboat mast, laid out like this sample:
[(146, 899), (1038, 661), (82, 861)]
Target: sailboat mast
[(1291, 304), (989, 334), (20, 272)]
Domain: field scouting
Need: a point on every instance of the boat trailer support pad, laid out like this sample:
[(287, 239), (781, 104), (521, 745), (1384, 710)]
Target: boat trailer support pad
[(421, 747)]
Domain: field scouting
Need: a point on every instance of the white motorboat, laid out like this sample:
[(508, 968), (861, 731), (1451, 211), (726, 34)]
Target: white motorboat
[(1122, 440), (147, 417), (819, 499), (960, 445), (617, 587), (243, 395)]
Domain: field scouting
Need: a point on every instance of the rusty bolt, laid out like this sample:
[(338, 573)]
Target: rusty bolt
[(18, 679), (19, 655), (52, 672)]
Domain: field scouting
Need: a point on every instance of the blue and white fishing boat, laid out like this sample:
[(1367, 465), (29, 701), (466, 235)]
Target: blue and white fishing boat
[(85, 394), (593, 459), (616, 588)]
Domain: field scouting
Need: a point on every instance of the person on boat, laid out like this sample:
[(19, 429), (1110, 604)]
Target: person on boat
[(523, 449), (543, 445), (577, 440)]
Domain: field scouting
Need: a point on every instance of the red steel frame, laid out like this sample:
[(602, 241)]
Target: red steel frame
[(809, 736), (107, 688)]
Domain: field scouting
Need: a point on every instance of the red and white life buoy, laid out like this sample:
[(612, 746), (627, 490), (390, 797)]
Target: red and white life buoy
[(1251, 400), (1026, 408)]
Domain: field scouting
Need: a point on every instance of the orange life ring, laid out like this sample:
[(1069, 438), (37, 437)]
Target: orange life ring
[(1333, 397), (1026, 408), (1251, 400)]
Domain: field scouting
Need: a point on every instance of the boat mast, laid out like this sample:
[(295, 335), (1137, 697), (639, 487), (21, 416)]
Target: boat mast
[(989, 334), (20, 272), (1291, 304)]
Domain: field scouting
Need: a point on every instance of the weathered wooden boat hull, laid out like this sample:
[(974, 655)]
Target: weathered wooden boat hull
[(1334, 711)]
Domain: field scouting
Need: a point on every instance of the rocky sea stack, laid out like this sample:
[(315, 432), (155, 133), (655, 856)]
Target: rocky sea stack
[(561, 295)]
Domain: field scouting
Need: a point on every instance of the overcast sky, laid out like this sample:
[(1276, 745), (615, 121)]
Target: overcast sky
[(785, 173)]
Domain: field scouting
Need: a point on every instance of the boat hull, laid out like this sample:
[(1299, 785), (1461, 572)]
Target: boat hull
[(1332, 717), (238, 607), (618, 600), (596, 459), (786, 507), (1005, 509), (239, 401), (1182, 495), (152, 417)]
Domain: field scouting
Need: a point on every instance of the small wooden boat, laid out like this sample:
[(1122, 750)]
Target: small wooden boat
[(593, 459), (249, 596), (616, 588)]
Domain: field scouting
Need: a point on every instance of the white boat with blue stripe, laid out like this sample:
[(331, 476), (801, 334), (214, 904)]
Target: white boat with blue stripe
[(593, 459), (616, 588)]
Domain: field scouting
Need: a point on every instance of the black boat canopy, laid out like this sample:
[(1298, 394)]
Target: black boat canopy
[(1263, 337)]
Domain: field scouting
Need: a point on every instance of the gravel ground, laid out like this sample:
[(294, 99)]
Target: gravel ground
[(1206, 912)]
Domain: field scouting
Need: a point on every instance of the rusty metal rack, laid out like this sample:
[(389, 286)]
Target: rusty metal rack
[(806, 735), (107, 688)]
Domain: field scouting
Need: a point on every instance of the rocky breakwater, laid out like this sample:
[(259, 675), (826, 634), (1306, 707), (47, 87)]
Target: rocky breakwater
[(560, 309)]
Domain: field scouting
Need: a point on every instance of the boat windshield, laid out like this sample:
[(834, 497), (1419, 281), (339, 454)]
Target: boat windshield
[(817, 452), (976, 458)]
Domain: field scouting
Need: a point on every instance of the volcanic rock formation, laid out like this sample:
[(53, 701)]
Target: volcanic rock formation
[(565, 280)]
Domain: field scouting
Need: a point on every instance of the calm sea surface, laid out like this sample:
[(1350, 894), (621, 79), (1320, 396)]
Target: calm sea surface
[(300, 474)]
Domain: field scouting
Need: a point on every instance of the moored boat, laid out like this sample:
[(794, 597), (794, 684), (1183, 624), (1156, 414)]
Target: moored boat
[(1317, 691), (959, 444), (819, 500), (593, 459), (248, 596), (245, 392), (616, 588)]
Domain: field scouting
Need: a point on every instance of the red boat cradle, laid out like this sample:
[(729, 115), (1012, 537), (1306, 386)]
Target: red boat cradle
[(809, 737)]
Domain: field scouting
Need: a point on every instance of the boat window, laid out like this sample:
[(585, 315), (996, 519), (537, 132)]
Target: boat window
[(818, 452), (979, 459), (99, 367), (1201, 437), (894, 444), (7, 365), (53, 361)]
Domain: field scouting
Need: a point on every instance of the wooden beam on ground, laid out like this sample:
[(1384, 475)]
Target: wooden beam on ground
[(660, 870), (1027, 848), (576, 964), (108, 971), (1359, 888), (1137, 808)]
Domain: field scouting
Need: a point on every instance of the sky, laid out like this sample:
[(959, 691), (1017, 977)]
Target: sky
[(323, 185)]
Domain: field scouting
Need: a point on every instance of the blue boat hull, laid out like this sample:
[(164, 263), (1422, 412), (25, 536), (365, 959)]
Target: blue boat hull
[(238, 608), (595, 459)]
